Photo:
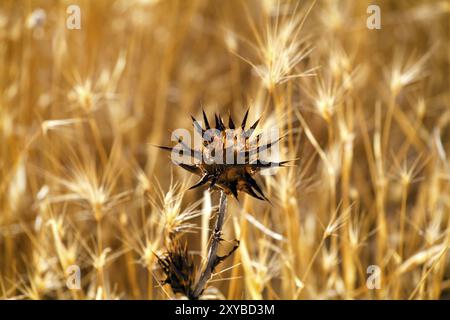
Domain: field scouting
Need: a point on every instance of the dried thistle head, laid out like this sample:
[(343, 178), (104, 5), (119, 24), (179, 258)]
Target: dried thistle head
[(228, 157), (178, 266)]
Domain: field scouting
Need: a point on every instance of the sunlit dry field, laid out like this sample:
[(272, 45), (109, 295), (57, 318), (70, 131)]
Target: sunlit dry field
[(362, 213)]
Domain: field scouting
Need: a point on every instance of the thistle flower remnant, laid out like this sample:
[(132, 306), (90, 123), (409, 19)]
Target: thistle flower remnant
[(228, 157)]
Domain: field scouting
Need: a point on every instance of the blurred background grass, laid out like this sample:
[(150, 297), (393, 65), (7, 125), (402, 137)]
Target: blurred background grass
[(366, 111)]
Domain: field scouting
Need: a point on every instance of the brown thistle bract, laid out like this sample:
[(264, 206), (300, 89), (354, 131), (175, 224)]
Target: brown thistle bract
[(229, 156)]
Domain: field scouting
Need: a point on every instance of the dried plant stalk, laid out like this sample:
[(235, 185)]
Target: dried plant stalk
[(212, 259)]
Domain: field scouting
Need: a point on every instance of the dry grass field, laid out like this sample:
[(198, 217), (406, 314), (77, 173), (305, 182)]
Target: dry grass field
[(364, 212)]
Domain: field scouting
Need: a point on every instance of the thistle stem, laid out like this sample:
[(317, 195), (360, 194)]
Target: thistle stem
[(212, 253)]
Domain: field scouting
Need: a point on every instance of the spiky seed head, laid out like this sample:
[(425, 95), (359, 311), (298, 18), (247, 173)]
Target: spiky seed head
[(229, 156), (178, 266)]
